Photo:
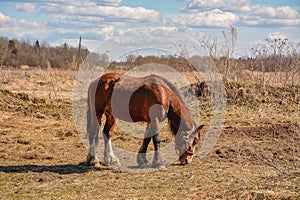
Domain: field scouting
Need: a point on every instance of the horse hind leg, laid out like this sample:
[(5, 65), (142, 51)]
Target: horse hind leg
[(93, 133), (109, 157), (92, 158)]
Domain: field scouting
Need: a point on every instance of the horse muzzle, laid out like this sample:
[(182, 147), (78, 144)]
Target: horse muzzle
[(184, 161)]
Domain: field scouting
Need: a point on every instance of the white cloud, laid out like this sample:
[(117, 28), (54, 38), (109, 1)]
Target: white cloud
[(249, 14), (143, 41), (267, 11), (213, 18), (286, 12), (112, 2), (108, 13), (102, 33), (147, 36), (3, 18), (249, 20), (25, 7), (241, 5), (111, 13), (198, 5), (285, 22), (79, 3), (56, 6), (276, 35), (22, 28), (98, 23)]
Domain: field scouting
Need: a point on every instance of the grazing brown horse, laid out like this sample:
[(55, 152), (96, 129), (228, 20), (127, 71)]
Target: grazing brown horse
[(150, 99)]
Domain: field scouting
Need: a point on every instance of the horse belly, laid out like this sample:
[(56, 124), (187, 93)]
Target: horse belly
[(146, 103)]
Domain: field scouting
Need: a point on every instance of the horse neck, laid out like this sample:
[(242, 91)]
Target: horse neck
[(180, 119)]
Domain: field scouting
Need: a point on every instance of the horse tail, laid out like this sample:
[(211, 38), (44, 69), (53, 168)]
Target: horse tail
[(88, 113), (92, 122)]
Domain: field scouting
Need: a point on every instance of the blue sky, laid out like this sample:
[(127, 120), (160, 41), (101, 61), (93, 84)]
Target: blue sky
[(59, 21)]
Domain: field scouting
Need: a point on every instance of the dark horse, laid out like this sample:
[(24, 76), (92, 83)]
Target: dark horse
[(150, 99)]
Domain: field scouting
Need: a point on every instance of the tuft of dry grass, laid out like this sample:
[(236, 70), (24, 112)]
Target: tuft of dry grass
[(50, 83)]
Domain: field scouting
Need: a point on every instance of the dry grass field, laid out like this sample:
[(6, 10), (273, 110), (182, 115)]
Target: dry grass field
[(256, 157)]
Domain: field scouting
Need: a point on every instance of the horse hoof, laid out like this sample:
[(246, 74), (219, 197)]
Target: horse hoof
[(158, 164), (97, 165), (142, 161), (89, 159), (115, 163), (92, 161), (111, 161), (144, 165), (162, 167)]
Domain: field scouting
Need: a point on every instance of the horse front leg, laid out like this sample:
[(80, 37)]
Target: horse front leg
[(157, 160), (152, 131), (141, 157), (109, 157)]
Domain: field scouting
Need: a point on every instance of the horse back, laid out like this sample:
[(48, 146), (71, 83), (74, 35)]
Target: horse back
[(132, 98)]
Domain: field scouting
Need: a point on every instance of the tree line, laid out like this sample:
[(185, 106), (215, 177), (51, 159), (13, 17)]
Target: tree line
[(14, 53)]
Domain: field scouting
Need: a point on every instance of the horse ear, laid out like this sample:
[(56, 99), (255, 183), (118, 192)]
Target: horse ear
[(104, 84), (199, 131), (200, 127), (117, 80), (113, 82)]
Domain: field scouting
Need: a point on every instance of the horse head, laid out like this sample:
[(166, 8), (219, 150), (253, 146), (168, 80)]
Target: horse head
[(186, 147)]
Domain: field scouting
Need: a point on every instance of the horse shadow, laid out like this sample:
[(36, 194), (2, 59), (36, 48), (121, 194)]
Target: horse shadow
[(59, 169)]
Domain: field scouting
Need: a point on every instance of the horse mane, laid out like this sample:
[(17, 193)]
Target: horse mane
[(175, 90), (173, 129), (183, 105)]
